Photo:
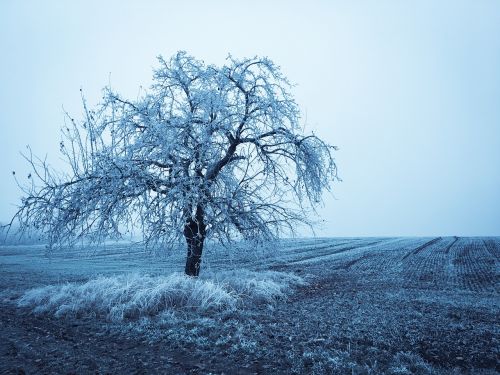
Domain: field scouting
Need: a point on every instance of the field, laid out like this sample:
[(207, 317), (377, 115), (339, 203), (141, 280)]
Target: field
[(343, 305)]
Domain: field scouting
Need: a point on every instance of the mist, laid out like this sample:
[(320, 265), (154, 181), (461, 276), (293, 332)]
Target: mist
[(409, 93)]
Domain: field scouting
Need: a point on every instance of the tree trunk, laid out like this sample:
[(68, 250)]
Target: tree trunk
[(194, 232)]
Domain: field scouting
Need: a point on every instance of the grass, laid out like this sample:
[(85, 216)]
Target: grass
[(132, 296)]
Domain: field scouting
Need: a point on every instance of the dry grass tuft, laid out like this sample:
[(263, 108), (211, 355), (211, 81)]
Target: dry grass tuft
[(132, 296)]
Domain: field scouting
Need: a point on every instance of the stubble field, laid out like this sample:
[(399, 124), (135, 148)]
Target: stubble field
[(343, 305)]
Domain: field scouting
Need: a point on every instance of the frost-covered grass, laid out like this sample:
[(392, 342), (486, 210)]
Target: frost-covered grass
[(371, 306), (131, 296), (258, 287)]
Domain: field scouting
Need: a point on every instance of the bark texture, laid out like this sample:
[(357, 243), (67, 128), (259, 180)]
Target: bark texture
[(194, 232)]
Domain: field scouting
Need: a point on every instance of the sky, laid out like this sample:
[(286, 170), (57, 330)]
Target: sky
[(408, 90)]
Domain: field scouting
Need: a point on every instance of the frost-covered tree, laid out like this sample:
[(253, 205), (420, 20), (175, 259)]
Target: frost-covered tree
[(207, 152)]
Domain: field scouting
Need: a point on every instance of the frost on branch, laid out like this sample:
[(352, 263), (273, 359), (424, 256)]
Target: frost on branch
[(207, 152)]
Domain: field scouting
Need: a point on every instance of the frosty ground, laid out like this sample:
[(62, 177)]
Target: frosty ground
[(343, 305)]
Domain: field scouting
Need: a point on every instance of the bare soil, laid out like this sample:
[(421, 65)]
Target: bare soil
[(371, 306)]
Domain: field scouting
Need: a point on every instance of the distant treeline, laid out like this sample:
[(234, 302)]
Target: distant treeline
[(12, 236)]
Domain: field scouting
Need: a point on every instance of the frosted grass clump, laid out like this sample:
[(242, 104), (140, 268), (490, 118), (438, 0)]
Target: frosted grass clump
[(265, 286), (133, 296)]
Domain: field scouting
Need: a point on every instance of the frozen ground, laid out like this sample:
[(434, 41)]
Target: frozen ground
[(344, 305)]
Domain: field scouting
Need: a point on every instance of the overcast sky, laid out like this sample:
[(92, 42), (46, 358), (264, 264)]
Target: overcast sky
[(408, 90)]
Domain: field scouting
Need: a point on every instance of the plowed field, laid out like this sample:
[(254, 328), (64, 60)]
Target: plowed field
[(370, 306)]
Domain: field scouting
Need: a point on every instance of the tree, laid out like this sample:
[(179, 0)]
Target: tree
[(208, 152)]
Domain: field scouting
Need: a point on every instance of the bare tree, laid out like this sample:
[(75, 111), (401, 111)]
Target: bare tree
[(208, 152)]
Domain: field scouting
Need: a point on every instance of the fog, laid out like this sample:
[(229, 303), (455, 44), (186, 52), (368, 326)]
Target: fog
[(408, 91)]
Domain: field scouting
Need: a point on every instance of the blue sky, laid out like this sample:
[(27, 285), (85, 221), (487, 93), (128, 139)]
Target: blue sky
[(408, 90)]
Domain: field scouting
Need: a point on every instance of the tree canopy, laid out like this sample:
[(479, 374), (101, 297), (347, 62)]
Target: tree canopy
[(207, 152)]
